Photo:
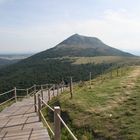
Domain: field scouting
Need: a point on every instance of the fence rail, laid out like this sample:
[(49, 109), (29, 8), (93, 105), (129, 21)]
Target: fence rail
[(47, 124), (6, 92), (15, 95), (6, 101), (40, 103), (21, 89), (66, 127)]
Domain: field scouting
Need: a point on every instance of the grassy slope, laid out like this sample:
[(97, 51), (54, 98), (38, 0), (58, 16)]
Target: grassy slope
[(40, 69), (107, 110), (107, 59), (101, 59)]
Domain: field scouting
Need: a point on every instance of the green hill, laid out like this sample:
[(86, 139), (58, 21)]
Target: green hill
[(63, 61), (103, 112), (109, 110)]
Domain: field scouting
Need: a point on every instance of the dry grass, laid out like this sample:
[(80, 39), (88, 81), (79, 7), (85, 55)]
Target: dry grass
[(107, 110), (106, 59)]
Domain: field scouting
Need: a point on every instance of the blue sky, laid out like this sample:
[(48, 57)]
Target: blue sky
[(36, 25)]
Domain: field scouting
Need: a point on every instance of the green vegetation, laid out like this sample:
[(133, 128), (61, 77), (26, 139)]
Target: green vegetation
[(106, 110), (38, 71), (9, 59), (109, 110), (107, 59), (31, 71), (6, 105), (74, 57), (6, 62)]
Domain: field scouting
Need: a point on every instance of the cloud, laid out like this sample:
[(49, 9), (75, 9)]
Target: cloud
[(125, 29), (116, 28)]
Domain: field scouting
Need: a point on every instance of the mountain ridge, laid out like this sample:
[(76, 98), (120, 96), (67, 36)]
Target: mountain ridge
[(82, 46)]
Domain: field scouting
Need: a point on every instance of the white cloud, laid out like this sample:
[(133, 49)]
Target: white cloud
[(116, 28)]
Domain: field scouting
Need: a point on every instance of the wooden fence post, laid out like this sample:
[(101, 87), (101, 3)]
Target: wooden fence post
[(71, 88), (121, 71), (62, 83), (39, 107), (48, 94), (53, 89), (47, 86), (35, 98), (15, 92), (90, 79), (57, 90), (34, 88), (111, 73), (57, 123), (35, 102), (61, 87), (117, 72), (27, 92), (42, 92)]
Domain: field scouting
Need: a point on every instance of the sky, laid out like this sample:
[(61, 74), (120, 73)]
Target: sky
[(31, 26)]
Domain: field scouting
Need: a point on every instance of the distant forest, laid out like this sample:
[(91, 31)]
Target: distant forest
[(25, 74)]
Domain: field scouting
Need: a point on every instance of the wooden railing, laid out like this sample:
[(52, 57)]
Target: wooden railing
[(40, 103), (12, 96), (16, 93)]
